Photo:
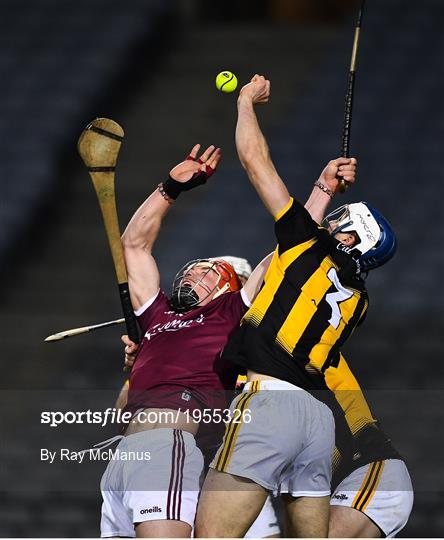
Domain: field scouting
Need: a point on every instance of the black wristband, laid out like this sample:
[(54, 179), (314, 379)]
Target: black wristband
[(172, 188)]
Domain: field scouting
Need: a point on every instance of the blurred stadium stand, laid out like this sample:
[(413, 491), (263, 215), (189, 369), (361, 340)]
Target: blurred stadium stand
[(150, 65), (56, 61)]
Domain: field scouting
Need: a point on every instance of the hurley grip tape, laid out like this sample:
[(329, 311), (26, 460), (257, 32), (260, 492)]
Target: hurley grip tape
[(128, 313)]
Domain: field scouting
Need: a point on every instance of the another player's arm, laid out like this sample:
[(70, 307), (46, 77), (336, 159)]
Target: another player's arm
[(254, 282), (142, 231), (254, 155)]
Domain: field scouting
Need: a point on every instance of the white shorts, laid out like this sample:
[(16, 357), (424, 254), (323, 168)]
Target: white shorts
[(382, 491), (160, 481), (266, 523), (282, 439)]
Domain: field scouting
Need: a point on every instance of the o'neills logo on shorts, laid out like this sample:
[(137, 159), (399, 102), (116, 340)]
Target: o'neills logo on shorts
[(151, 510), (340, 496)]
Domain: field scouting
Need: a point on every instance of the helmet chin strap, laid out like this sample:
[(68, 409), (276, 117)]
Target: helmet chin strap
[(222, 290)]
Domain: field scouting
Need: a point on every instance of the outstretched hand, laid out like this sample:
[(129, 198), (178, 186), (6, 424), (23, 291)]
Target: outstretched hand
[(204, 166), (337, 169), (258, 90)]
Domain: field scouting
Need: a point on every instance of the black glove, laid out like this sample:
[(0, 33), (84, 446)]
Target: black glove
[(173, 188)]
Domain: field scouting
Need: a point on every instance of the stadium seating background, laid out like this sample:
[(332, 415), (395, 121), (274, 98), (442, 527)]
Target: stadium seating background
[(150, 65)]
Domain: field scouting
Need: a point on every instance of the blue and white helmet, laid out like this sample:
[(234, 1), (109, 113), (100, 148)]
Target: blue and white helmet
[(376, 241)]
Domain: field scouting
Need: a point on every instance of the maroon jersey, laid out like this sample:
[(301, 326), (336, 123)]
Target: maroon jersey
[(179, 361)]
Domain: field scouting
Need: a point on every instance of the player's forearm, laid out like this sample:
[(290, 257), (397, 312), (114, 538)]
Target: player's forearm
[(317, 204), (251, 145), (255, 157), (144, 226)]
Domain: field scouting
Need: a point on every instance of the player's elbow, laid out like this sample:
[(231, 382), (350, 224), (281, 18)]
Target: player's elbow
[(246, 157), (135, 242), (253, 165), (255, 160), (261, 177), (131, 241), (140, 235), (251, 157)]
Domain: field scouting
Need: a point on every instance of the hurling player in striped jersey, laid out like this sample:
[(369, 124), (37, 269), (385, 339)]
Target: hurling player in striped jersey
[(290, 340)]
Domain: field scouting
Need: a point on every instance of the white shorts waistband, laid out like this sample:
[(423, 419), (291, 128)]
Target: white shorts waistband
[(271, 384), (158, 434)]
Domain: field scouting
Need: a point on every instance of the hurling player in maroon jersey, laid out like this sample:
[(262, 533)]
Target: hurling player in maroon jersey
[(266, 525), (178, 376)]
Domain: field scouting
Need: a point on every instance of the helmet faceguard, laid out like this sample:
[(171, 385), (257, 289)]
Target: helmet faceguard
[(376, 242), (184, 296)]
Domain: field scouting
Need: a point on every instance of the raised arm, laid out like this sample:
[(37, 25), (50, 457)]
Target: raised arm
[(253, 149), (255, 157), (325, 188), (142, 231)]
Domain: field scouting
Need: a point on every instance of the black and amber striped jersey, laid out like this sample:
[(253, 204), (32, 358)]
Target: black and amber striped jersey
[(359, 439), (311, 300)]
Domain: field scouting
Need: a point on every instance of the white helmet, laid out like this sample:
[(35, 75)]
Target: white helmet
[(241, 266)]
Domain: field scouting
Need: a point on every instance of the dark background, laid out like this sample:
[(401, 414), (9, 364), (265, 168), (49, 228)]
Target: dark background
[(151, 66)]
